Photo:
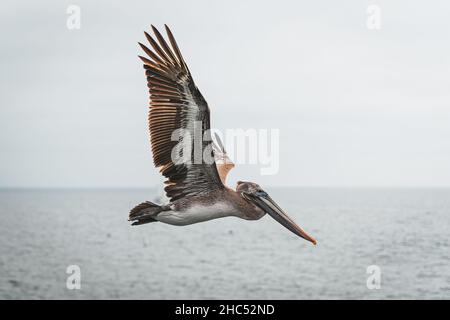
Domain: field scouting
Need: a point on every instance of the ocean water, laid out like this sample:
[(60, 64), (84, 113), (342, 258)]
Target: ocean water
[(405, 232)]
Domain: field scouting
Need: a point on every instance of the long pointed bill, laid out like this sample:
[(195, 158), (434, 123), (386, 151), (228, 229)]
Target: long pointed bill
[(265, 202)]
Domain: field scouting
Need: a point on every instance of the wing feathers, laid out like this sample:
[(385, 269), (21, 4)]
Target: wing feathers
[(175, 103), (165, 47), (159, 51), (175, 48), (150, 52)]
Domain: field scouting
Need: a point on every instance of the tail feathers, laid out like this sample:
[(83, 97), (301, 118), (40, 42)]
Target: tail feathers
[(143, 221), (144, 213)]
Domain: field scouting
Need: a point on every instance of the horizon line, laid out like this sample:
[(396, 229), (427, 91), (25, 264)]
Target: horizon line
[(268, 186)]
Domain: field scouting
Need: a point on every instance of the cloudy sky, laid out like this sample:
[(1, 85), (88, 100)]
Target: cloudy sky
[(354, 106)]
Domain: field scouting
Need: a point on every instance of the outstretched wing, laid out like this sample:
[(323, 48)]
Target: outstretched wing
[(179, 117), (223, 162)]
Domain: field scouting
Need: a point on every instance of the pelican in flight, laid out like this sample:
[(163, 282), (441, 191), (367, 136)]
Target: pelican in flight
[(197, 191)]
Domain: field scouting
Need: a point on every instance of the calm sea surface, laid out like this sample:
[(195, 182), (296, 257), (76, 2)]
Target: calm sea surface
[(405, 232)]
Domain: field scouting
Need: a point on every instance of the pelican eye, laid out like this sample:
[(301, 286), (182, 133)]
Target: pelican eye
[(261, 193)]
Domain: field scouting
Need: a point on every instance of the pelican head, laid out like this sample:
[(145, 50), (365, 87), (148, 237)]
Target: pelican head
[(256, 196)]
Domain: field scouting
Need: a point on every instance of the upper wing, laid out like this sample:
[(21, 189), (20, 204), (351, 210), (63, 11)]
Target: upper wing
[(223, 162), (176, 103)]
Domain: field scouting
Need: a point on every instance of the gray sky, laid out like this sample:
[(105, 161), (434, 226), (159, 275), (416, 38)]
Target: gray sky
[(355, 107)]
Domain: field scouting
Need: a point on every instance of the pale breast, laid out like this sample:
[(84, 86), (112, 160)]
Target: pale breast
[(196, 213)]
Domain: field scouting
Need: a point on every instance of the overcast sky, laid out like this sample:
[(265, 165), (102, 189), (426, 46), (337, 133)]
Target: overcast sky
[(355, 107)]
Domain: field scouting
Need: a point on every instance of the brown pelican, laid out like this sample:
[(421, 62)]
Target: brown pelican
[(196, 190)]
